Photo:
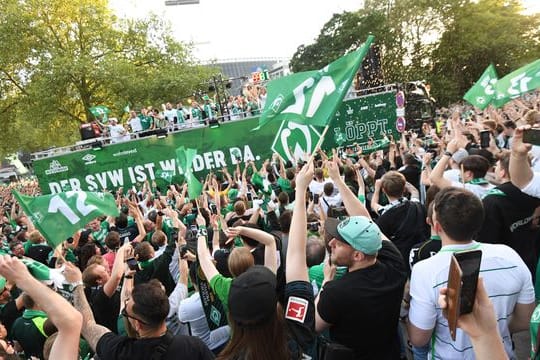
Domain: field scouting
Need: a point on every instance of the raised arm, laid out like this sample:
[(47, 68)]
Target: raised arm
[(67, 320), (296, 269), (268, 240), (116, 273), (521, 173), (352, 204), (203, 254)]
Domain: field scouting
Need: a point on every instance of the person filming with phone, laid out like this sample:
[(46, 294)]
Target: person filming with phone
[(457, 216)]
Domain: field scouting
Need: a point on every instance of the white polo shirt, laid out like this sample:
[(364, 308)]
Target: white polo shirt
[(533, 188), (506, 279)]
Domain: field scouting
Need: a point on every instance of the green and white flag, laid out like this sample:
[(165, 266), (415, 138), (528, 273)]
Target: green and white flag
[(483, 91), (126, 108), (166, 175), (524, 79), (312, 97), (58, 216), (185, 159), (100, 111)]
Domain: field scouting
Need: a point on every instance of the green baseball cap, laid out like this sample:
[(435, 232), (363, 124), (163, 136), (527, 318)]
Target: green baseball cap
[(360, 232), (233, 194)]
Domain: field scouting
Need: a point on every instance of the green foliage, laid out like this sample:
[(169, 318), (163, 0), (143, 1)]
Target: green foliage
[(448, 43), (65, 57)]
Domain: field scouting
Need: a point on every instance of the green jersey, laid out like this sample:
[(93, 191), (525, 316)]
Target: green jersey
[(146, 122)]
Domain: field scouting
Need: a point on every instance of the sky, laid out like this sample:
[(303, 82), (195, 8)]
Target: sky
[(232, 29), (239, 29)]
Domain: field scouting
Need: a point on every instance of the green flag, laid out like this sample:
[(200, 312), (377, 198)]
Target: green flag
[(58, 216), (126, 108), (312, 97), (166, 175), (185, 159), (100, 111), (482, 92), (524, 79)]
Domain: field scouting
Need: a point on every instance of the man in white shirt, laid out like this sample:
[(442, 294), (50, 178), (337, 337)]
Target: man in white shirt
[(134, 122), (457, 216), (117, 132)]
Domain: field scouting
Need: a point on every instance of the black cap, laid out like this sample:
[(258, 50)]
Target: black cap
[(252, 297)]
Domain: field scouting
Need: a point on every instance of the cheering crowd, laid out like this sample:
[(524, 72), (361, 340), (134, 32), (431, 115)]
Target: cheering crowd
[(324, 258)]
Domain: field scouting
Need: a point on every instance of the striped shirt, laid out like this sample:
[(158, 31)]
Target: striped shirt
[(507, 281)]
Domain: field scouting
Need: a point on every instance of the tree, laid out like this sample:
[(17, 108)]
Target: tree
[(489, 31), (67, 56), (342, 33)]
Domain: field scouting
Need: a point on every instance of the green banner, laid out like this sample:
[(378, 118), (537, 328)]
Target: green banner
[(131, 163), (362, 119)]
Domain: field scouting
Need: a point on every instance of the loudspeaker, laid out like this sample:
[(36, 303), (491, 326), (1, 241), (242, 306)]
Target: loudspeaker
[(87, 132)]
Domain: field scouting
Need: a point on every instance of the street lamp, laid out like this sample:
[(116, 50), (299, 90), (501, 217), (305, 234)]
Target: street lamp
[(180, 2)]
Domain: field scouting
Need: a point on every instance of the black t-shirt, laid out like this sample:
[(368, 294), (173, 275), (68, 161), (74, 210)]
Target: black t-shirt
[(39, 253), (130, 232), (105, 309), (9, 313), (412, 175), (508, 216), (363, 306), (111, 346), (424, 250), (405, 225)]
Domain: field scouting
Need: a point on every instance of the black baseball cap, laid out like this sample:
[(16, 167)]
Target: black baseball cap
[(252, 297)]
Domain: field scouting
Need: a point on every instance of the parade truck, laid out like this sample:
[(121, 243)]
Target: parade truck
[(366, 118)]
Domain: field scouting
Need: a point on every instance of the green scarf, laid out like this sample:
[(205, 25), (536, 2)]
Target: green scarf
[(478, 181), (29, 314)]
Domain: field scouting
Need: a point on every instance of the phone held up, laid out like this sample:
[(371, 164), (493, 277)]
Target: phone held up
[(532, 136), (462, 281)]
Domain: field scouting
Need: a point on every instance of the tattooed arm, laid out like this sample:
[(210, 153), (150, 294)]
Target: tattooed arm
[(91, 331)]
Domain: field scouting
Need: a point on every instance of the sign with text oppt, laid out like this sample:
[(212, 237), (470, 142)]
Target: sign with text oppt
[(130, 163), (370, 116)]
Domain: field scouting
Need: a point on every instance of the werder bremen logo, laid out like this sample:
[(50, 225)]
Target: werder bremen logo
[(276, 104), (294, 140)]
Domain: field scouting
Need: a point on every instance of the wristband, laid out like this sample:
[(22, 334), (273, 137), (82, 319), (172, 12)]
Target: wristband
[(202, 232), (75, 284), (448, 153), (128, 276)]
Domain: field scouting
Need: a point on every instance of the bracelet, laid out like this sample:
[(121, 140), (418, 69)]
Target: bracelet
[(128, 276), (448, 153), (75, 284), (202, 232)]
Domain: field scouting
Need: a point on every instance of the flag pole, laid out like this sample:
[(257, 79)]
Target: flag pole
[(319, 143)]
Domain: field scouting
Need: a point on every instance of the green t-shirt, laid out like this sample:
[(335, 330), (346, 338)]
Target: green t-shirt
[(316, 274), (533, 328), (101, 234), (284, 184), (221, 286), (146, 122), (196, 114)]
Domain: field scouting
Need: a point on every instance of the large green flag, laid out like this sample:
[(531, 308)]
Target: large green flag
[(185, 159), (524, 79), (312, 97), (100, 111), (58, 216), (483, 91)]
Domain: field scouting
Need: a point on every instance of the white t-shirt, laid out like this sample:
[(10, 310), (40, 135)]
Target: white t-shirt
[(506, 279), (317, 187), (335, 200), (135, 124), (117, 133), (192, 311), (533, 188), (478, 190)]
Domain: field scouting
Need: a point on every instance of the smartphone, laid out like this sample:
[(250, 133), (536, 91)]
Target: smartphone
[(315, 198), (133, 264), (249, 196), (469, 261), (213, 209), (484, 139), (453, 295), (462, 282), (531, 136)]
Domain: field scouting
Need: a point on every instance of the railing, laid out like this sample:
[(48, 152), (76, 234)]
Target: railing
[(178, 128)]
